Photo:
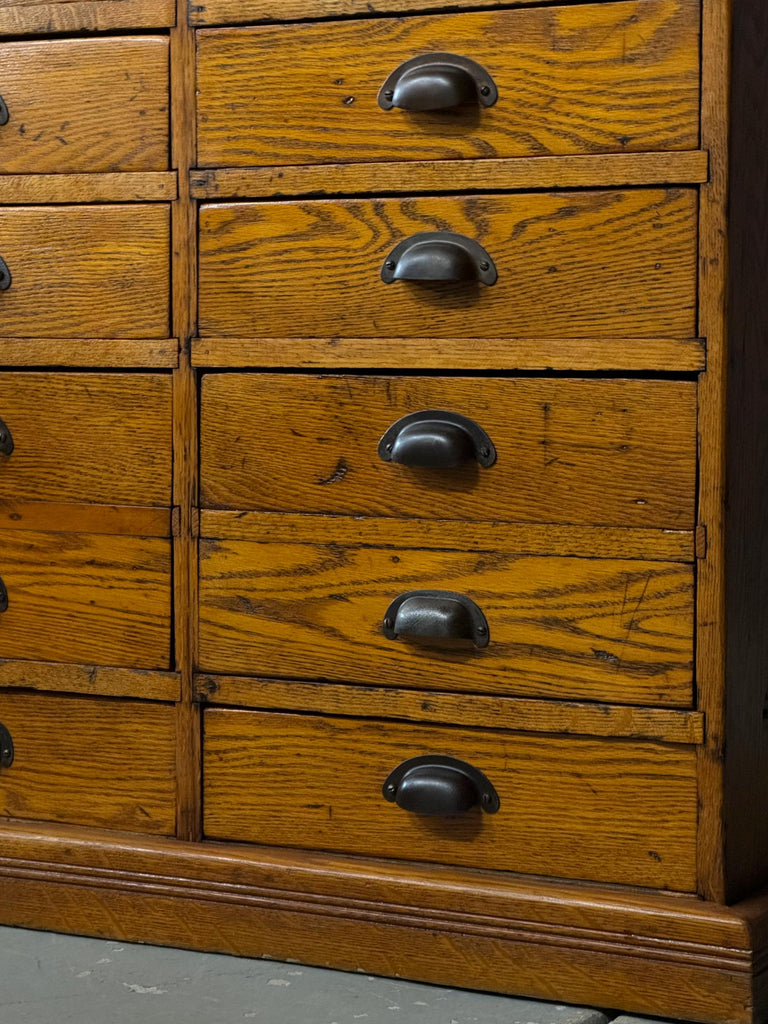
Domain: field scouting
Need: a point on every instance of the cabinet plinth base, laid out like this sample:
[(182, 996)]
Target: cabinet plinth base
[(631, 950)]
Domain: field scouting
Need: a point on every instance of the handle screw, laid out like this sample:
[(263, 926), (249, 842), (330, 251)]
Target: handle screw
[(389, 95), (485, 265), (485, 90), (485, 452), (388, 623), (481, 630), (390, 265)]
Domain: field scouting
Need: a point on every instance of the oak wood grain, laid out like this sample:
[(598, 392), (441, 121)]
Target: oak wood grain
[(300, 780), (85, 105), (458, 709), (87, 437), (18, 17), (86, 598), (608, 169), (443, 534), (86, 272), (69, 517), (591, 452), (574, 79), (94, 353), (579, 265), (682, 355), (144, 186), (591, 629), (89, 680), (222, 12), (90, 762)]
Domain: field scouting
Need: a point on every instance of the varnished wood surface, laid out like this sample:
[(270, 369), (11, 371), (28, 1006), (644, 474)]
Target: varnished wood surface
[(609, 169), (86, 598), (87, 437), (18, 17), (89, 762), (443, 534), (579, 265), (569, 807), (96, 353), (146, 186), (671, 354), (85, 105), (585, 943), (185, 487), (221, 12), (591, 452), (713, 283), (592, 629), (89, 680), (86, 271), (575, 79), (72, 517), (458, 709)]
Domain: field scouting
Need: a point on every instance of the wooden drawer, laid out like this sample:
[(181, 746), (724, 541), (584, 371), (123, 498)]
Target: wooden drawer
[(86, 271), (572, 807), (599, 452), (87, 598), (585, 78), (105, 763), (619, 631), (582, 264), (84, 105), (87, 437)]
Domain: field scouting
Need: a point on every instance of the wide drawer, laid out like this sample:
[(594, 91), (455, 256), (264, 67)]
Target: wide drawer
[(86, 271), (571, 265), (86, 437), (84, 105), (598, 452), (584, 78), (87, 598), (104, 763), (571, 807), (612, 630)]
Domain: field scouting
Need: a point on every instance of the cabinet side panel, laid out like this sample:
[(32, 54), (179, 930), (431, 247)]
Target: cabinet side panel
[(746, 764)]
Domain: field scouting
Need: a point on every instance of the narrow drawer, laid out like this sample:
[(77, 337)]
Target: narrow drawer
[(570, 265), (85, 271), (597, 452), (570, 807), (584, 78), (86, 437), (549, 626), (88, 598), (103, 763), (84, 105)]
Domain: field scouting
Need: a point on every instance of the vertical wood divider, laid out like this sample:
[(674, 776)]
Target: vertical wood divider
[(184, 254), (713, 276)]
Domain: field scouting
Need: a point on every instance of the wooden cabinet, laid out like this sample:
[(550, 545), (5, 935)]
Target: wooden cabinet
[(382, 427)]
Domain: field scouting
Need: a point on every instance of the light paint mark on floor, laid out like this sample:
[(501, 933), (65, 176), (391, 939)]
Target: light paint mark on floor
[(141, 990)]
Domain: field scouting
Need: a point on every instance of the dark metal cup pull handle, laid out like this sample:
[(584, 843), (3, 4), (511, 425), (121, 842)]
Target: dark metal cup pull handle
[(6, 747), (4, 112), (439, 256), (435, 439), (3, 597), (5, 276), (438, 81), (6, 439), (436, 615), (440, 786)]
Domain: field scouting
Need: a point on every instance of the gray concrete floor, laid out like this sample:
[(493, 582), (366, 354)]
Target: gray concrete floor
[(61, 979)]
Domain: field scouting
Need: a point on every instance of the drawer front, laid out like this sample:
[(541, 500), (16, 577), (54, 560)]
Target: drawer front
[(586, 78), (86, 272), (571, 807), (584, 264), (87, 437), (104, 763), (563, 628), (86, 598), (84, 105), (596, 452)]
